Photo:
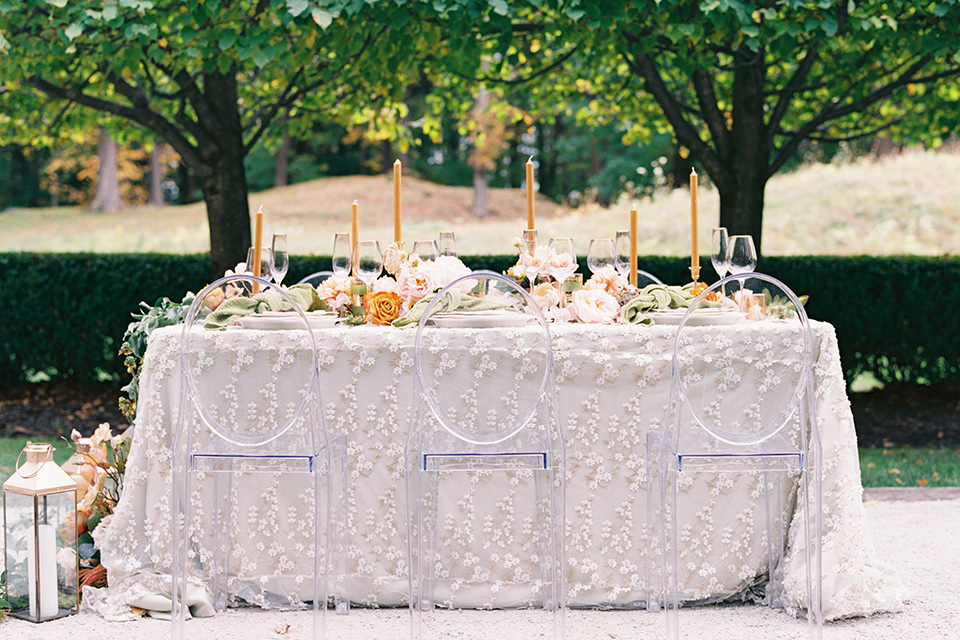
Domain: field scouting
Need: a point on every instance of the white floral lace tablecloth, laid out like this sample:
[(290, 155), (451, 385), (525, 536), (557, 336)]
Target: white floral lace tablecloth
[(613, 386)]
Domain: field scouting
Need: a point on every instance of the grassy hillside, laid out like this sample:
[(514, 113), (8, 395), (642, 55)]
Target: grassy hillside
[(901, 204)]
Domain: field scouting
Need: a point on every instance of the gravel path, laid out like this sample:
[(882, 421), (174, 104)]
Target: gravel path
[(918, 537)]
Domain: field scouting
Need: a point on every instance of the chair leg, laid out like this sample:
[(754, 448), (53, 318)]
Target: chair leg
[(670, 576), (180, 496), (654, 526), (322, 551), (222, 521), (429, 502), (773, 505), (337, 494)]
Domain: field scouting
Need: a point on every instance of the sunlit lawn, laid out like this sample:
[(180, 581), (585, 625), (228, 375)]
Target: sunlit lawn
[(10, 448), (899, 205)]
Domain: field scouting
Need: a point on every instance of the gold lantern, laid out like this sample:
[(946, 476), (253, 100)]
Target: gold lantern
[(40, 535)]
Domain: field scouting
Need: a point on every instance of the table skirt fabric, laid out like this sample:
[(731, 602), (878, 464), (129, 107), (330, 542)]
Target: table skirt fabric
[(613, 386)]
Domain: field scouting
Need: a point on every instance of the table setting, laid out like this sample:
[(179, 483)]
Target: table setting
[(612, 344)]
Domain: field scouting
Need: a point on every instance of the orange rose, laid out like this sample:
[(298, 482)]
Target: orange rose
[(382, 307)]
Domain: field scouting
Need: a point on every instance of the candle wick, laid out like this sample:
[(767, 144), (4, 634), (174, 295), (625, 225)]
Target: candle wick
[(693, 171), (260, 210)]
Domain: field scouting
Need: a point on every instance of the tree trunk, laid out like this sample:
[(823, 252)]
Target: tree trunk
[(481, 188), (281, 174), (225, 185), (155, 197), (746, 159), (106, 198)]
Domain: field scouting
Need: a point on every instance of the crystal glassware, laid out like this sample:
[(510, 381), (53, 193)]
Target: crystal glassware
[(621, 248), (447, 245), (281, 259), (266, 262), (600, 255), (719, 256), (342, 255), (563, 262), (426, 249), (528, 250), (743, 255), (369, 261)]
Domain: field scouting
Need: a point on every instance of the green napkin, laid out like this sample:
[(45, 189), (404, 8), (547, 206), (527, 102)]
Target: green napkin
[(453, 300), (652, 297), (235, 308)]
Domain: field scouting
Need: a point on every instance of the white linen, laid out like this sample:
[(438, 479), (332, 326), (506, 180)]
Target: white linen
[(613, 384)]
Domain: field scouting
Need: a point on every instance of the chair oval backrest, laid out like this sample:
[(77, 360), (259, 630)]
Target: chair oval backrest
[(316, 278), (483, 386), (742, 356), (645, 278), (243, 400)]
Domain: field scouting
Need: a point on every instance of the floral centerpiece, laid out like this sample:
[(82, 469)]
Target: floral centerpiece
[(97, 467)]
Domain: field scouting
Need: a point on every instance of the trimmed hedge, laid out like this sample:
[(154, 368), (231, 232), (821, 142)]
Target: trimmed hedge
[(66, 313)]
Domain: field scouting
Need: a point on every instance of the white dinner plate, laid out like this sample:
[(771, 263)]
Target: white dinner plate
[(698, 317), (479, 319), (280, 320)]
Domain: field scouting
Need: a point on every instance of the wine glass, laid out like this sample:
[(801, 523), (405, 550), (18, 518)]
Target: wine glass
[(528, 250), (448, 244), (719, 256), (426, 249), (743, 257), (564, 263), (621, 247), (369, 261), (281, 259), (266, 262), (342, 258), (600, 255)]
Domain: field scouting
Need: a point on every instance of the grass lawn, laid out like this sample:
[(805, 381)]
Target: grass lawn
[(891, 467), (910, 467), (897, 205), (10, 448)]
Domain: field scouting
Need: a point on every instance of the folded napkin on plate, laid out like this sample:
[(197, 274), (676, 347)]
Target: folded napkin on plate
[(235, 308), (652, 297), (452, 300)]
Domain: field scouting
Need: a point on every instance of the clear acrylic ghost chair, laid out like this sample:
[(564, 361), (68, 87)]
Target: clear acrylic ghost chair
[(485, 400), (246, 411), (645, 277), (316, 278), (741, 400)]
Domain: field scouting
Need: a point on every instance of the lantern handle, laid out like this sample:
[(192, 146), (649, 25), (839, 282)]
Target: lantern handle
[(17, 466)]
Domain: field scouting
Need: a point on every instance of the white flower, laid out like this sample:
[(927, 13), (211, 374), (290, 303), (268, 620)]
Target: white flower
[(595, 306), (393, 259), (546, 296)]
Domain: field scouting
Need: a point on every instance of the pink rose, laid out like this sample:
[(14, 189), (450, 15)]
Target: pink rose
[(607, 279), (335, 291), (385, 283), (595, 306)]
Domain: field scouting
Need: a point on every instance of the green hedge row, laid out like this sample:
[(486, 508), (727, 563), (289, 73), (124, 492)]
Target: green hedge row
[(64, 314)]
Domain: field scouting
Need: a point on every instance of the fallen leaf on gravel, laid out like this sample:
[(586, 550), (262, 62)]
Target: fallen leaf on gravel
[(281, 629)]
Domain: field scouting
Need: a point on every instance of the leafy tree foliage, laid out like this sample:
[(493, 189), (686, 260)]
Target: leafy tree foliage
[(743, 84), (209, 77)]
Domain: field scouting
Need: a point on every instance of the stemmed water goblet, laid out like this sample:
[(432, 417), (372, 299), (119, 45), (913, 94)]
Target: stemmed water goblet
[(600, 254), (743, 256), (266, 262), (719, 255), (621, 247), (448, 244), (563, 262), (281, 259), (342, 255), (369, 262), (426, 250)]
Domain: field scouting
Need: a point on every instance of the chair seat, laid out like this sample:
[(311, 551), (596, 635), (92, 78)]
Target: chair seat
[(531, 461)]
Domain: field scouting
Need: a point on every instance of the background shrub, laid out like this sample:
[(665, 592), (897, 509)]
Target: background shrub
[(65, 314)]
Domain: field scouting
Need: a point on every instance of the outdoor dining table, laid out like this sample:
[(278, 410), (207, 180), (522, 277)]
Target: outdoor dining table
[(613, 384)]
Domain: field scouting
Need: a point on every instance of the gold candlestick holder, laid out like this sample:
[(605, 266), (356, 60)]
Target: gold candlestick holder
[(695, 273)]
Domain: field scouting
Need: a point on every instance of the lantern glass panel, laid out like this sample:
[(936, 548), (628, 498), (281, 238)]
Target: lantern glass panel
[(41, 542)]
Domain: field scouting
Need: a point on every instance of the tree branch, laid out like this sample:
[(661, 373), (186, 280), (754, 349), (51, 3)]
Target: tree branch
[(687, 134), (838, 110), (791, 88), (716, 122), (146, 117)]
